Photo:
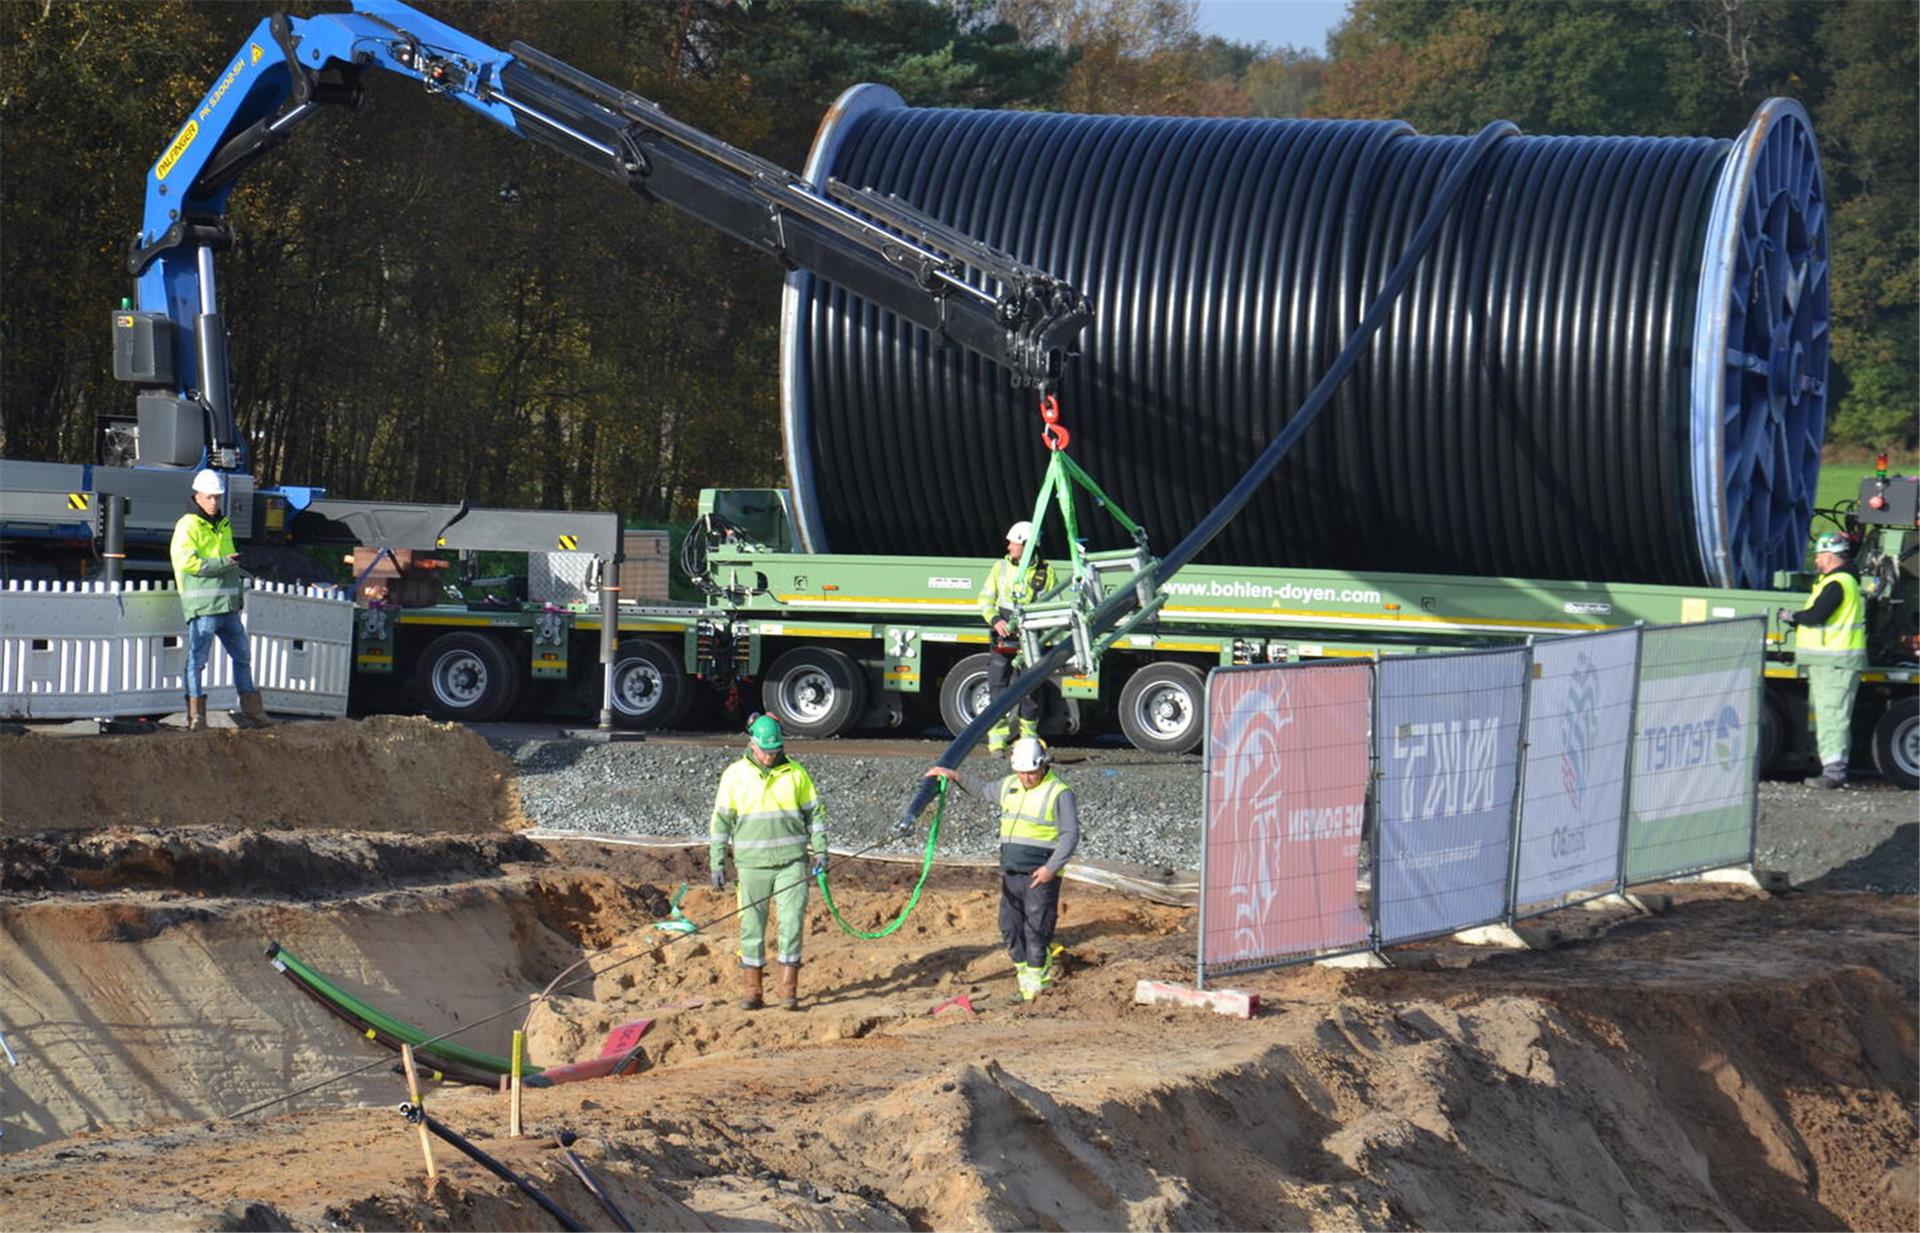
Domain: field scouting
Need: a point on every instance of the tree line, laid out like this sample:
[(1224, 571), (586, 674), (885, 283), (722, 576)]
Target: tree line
[(425, 308)]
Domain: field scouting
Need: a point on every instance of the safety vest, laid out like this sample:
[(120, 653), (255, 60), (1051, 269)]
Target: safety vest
[(1845, 633), (1027, 814), (208, 583), (1008, 587), (770, 816)]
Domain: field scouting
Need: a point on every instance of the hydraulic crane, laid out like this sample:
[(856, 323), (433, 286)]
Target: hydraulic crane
[(173, 342)]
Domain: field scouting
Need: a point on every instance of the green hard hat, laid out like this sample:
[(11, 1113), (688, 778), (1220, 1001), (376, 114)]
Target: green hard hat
[(764, 733), (1837, 544)]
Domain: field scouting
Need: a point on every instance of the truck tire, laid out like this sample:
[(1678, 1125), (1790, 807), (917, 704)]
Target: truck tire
[(814, 691), (964, 693), (1896, 743), (650, 687), (1773, 735), (465, 677), (1163, 708)]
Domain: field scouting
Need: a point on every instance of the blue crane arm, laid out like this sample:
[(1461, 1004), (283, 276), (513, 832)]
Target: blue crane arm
[(962, 291)]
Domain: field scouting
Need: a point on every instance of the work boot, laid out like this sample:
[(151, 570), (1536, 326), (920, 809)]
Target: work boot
[(196, 714), (790, 986), (1829, 777), (1028, 979), (751, 985), (253, 712)]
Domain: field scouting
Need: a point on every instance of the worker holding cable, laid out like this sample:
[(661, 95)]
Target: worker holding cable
[(1039, 830), (1007, 587), (768, 812), (1830, 638)]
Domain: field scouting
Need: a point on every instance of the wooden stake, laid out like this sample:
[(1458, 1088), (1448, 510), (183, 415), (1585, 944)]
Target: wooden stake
[(513, 1108), (413, 1094)]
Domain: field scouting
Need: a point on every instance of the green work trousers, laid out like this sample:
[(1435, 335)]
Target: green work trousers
[(787, 886), (1831, 688)]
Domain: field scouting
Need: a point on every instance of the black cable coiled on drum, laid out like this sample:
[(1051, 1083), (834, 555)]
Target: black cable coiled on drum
[(1523, 413)]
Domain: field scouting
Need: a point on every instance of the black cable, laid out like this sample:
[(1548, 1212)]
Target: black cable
[(1525, 411)]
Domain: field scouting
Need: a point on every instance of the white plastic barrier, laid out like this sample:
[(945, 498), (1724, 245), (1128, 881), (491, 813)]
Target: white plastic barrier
[(85, 650)]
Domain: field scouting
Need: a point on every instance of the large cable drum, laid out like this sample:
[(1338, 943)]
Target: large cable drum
[(1612, 365)]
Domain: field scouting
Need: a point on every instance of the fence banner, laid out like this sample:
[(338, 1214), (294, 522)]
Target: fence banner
[(1448, 731), (1286, 794), (1579, 729), (1695, 742)]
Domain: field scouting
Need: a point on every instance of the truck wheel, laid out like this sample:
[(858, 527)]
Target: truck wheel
[(964, 693), (650, 687), (467, 678), (1163, 708), (1896, 743), (1773, 735), (814, 692)]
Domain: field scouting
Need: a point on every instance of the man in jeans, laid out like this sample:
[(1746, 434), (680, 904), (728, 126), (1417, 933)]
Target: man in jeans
[(206, 571)]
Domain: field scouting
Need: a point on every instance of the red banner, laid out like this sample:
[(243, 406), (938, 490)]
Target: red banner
[(1286, 797)]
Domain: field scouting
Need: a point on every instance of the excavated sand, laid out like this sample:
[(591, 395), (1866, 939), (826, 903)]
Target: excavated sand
[(1736, 1062)]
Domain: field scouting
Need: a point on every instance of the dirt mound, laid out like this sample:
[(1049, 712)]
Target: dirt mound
[(386, 773), (1733, 1063)]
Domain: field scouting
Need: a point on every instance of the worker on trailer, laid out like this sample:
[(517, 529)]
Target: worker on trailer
[(1039, 830), (206, 572), (768, 812), (1830, 638), (1007, 587)]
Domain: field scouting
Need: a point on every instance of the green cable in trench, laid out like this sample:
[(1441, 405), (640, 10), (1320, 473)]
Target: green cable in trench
[(926, 867)]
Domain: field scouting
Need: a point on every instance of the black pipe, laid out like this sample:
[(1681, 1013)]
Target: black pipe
[(1462, 166), (567, 1139), (1524, 413), (420, 1117)]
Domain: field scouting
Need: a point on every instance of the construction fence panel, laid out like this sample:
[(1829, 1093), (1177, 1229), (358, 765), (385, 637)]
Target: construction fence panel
[(1574, 784), (302, 644), (88, 650), (1448, 732), (1286, 795), (1696, 741)]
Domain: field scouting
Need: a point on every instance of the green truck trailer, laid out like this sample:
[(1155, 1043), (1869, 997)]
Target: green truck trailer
[(841, 643)]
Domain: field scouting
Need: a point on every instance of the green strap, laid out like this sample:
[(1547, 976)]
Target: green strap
[(926, 867)]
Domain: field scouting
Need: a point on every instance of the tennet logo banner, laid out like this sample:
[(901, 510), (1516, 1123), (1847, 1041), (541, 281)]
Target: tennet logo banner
[(1694, 745)]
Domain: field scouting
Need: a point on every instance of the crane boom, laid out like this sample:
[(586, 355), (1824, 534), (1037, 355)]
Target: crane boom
[(173, 342)]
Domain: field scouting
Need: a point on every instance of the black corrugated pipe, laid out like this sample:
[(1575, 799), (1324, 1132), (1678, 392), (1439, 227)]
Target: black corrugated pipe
[(1612, 367)]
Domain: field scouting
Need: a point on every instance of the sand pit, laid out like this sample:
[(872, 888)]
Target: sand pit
[(1736, 1062)]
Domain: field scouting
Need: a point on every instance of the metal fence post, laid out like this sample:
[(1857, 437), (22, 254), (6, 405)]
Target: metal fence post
[(1370, 824), (1206, 816), (610, 624), (1519, 783), (1633, 732)]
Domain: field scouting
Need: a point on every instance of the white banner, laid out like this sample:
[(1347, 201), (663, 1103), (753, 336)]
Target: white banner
[(1579, 725)]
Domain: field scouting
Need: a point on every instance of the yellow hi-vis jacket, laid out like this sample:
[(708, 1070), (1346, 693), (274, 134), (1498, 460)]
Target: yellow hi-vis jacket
[(1028, 821), (1844, 636), (209, 584), (1008, 585), (771, 816)]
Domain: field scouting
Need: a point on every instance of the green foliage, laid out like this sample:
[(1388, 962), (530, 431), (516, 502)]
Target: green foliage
[(1700, 67)]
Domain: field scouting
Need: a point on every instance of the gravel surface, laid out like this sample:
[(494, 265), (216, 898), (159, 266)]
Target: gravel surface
[(1135, 807)]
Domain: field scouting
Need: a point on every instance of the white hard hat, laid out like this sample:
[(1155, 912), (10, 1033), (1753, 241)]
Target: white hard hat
[(1020, 532), (1029, 754), (210, 482)]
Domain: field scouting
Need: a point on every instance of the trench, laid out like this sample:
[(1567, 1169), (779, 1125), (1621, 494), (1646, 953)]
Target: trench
[(1734, 1063)]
